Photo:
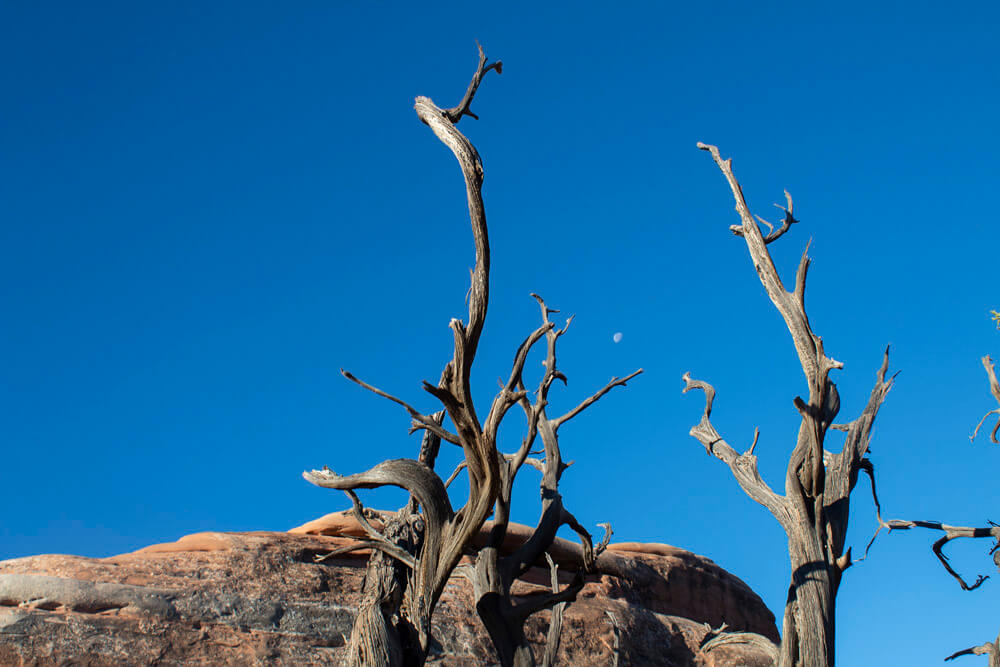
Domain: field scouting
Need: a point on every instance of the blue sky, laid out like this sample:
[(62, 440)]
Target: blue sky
[(211, 208)]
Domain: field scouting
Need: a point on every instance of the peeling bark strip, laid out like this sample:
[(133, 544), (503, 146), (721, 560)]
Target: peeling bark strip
[(815, 507)]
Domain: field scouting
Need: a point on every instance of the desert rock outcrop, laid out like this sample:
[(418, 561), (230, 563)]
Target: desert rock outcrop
[(260, 598)]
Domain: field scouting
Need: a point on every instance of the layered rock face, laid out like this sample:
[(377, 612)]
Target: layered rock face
[(261, 599)]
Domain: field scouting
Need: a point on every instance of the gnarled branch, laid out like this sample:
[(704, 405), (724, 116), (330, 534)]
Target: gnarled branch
[(814, 509), (431, 423), (950, 533), (743, 466)]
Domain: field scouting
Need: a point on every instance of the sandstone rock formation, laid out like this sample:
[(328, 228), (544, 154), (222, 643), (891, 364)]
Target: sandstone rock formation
[(260, 599)]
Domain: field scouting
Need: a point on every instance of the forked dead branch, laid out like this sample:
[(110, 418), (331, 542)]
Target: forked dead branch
[(814, 509), (502, 615), (992, 649), (954, 532), (420, 547), (395, 624)]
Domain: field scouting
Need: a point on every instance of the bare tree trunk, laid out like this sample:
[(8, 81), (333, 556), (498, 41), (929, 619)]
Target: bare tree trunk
[(815, 507), (381, 635), (394, 624), (809, 619)]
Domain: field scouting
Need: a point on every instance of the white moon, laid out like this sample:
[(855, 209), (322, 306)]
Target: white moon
[(617, 337)]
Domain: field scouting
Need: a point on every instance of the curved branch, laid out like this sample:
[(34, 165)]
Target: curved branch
[(454, 473), (743, 466), (408, 474), (773, 234), (950, 533), (615, 382), (455, 113), (719, 637), (421, 421), (510, 394), (992, 649), (382, 545), (442, 123)]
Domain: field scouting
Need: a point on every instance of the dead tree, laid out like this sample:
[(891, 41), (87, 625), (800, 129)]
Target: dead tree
[(495, 573), (415, 554), (814, 510), (395, 627)]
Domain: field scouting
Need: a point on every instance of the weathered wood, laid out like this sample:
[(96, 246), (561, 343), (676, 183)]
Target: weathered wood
[(429, 545), (814, 509), (501, 614), (416, 553)]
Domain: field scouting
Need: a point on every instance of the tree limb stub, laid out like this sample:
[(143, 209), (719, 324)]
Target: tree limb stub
[(992, 649)]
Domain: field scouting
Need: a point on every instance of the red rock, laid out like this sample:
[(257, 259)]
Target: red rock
[(259, 598)]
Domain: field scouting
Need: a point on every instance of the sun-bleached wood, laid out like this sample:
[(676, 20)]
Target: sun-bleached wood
[(396, 628), (814, 508), (420, 547)]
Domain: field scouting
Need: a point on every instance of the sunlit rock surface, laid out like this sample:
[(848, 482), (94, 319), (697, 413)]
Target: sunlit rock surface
[(260, 599)]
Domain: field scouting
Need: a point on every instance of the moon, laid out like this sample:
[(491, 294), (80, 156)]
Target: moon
[(617, 338)]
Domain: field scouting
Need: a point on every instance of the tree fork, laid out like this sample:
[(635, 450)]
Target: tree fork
[(814, 509)]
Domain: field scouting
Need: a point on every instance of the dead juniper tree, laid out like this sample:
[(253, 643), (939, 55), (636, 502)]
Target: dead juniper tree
[(495, 573), (814, 509), (416, 552)]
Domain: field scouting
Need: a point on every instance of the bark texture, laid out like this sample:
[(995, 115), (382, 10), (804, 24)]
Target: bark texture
[(418, 552), (815, 507), (495, 573)]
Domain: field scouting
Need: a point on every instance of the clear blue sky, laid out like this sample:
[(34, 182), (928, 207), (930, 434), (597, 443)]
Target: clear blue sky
[(210, 208)]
